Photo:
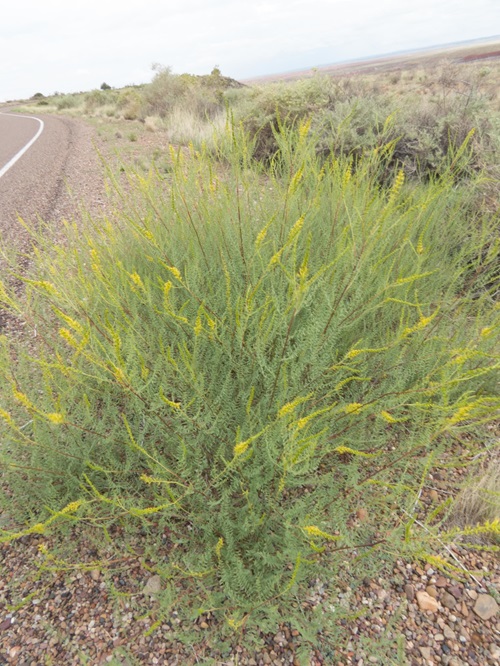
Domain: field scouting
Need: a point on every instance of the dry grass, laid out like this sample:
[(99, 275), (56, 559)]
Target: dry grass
[(479, 500)]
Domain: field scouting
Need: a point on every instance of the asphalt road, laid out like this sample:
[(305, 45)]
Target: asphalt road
[(58, 174), (16, 134), (31, 186)]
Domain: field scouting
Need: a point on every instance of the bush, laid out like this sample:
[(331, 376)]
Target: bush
[(350, 117), (246, 358)]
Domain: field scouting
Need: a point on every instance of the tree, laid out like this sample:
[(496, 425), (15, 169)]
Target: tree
[(105, 86)]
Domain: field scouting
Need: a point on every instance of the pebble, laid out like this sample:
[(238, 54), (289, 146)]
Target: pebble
[(410, 592), (485, 607), (426, 653), (426, 602), (456, 591), (153, 586), (495, 651), (449, 601), (431, 591), (449, 633)]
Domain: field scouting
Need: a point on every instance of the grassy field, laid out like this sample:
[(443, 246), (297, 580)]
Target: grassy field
[(291, 321)]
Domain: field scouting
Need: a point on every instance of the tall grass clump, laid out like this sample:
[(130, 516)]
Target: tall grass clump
[(248, 357)]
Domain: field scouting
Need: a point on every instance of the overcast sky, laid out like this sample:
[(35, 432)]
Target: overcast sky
[(73, 45)]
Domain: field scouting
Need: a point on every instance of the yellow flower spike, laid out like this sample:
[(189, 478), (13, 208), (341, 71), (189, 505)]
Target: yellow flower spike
[(295, 230), (262, 234), (55, 417), (356, 352), (240, 448), (314, 530), (296, 181), (304, 128), (486, 332), (23, 399), (343, 450), (234, 624), (42, 548), (398, 184), (71, 507), (39, 528), (75, 325), (461, 414), (290, 406), (137, 280), (6, 417), (353, 407), (387, 417), (44, 285), (175, 272), (120, 376), (170, 403), (68, 337), (198, 328), (218, 547), (275, 258), (423, 323), (420, 246)]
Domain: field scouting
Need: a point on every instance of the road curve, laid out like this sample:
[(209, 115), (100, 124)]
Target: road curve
[(58, 174), (17, 138)]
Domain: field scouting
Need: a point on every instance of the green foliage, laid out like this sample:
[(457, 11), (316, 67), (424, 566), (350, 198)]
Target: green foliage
[(351, 117), (66, 102), (242, 358)]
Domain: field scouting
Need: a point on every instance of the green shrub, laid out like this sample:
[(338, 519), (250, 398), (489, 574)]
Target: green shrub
[(67, 102), (350, 117), (246, 358)]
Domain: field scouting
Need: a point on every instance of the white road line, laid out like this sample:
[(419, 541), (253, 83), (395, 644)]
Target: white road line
[(11, 162)]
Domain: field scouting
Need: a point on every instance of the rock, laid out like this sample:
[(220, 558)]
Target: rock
[(426, 602), (441, 581), (448, 601), (456, 591), (426, 653), (204, 625), (431, 591), (434, 496), (439, 638), (410, 592), (495, 651), (280, 638), (95, 574), (153, 586), (485, 607), (5, 624), (472, 594), (13, 652), (449, 633)]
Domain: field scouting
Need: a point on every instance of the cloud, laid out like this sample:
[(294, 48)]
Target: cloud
[(45, 45)]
